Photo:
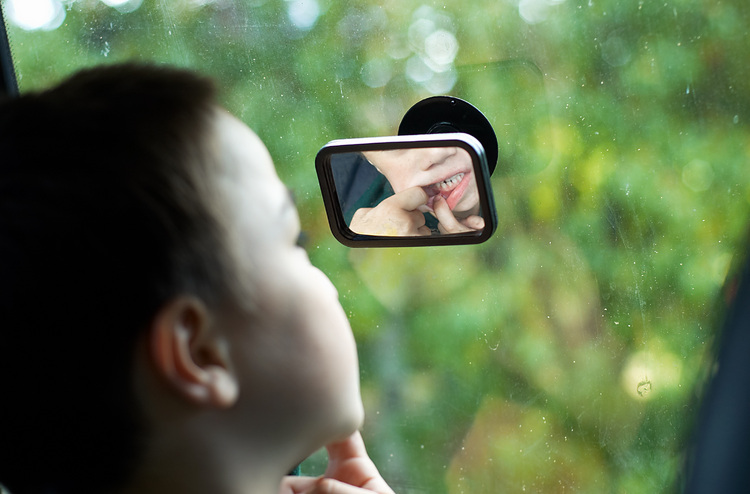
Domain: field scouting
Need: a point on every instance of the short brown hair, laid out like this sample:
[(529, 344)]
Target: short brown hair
[(105, 214)]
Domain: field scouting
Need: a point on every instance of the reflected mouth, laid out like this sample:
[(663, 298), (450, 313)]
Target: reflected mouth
[(451, 189), (449, 183)]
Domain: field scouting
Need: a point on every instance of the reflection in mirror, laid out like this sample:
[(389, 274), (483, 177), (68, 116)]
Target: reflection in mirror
[(409, 192), (411, 188)]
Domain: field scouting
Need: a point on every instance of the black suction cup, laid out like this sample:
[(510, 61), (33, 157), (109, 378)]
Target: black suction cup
[(440, 114)]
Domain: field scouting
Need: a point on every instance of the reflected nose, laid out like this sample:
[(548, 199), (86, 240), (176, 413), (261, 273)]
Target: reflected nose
[(437, 156)]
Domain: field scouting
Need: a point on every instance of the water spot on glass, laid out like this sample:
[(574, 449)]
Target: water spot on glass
[(615, 51), (698, 175), (643, 388)]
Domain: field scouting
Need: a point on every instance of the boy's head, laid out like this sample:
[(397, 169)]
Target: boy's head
[(149, 282)]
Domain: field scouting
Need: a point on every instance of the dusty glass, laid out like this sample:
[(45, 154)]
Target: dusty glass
[(567, 352)]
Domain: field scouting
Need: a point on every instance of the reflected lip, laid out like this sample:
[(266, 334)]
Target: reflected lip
[(446, 185), (445, 189)]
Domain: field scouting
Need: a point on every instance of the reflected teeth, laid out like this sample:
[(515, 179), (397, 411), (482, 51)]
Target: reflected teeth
[(449, 183)]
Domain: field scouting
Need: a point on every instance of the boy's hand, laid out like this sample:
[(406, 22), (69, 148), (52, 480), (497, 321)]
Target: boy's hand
[(350, 471), (448, 223), (396, 216)]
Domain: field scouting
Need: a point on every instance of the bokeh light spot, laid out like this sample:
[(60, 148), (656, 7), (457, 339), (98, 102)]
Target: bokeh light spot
[(441, 47), (33, 15), (303, 13)]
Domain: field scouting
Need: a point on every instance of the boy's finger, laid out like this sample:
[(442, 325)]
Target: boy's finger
[(474, 222), (332, 486), (297, 485), (448, 222), (410, 199), (351, 447), (349, 463)]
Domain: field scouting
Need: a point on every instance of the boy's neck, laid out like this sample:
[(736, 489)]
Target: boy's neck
[(202, 466)]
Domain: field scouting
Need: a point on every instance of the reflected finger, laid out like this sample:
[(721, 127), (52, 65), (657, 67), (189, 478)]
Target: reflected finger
[(474, 222), (410, 199), (447, 222), (418, 223)]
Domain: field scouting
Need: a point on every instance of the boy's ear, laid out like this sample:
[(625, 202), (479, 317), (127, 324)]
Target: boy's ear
[(190, 355)]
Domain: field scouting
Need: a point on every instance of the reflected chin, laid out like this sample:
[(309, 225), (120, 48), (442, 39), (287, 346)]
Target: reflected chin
[(468, 205)]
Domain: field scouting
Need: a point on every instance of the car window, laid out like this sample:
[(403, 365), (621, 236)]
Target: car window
[(567, 353)]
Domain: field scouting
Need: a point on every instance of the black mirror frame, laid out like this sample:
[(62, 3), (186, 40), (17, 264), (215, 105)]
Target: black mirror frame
[(346, 236)]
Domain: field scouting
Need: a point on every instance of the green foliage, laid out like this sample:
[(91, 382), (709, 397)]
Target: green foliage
[(565, 353)]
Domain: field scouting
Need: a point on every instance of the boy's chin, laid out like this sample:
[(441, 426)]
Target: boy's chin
[(349, 422), (462, 212), (337, 427)]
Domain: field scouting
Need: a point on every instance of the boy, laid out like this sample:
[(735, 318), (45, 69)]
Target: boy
[(439, 181), (162, 332)]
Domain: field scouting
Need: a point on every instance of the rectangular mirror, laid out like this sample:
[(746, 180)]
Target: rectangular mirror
[(412, 190)]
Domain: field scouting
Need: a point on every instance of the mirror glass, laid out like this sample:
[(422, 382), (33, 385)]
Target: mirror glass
[(407, 190)]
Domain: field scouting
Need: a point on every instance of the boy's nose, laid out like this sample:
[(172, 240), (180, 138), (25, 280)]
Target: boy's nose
[(437, 155)]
